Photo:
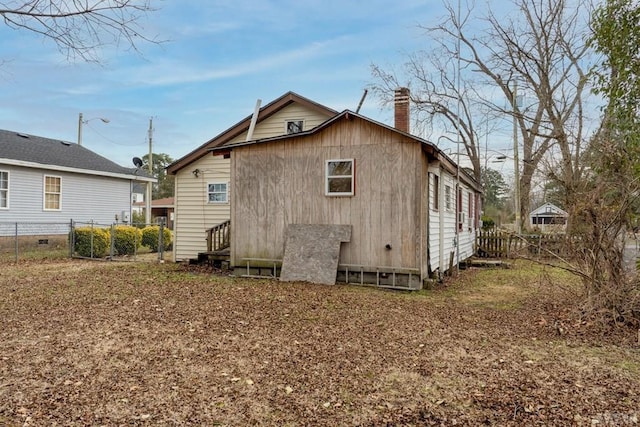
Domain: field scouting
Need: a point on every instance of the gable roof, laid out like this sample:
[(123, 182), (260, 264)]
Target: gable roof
[(243, 125), (19, 149), (427, 146), (553, 210)]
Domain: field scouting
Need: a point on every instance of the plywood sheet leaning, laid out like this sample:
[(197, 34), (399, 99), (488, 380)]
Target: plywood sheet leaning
[(312, 251)]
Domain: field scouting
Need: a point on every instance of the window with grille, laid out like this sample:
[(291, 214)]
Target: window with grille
[(4, 190), (52, 193), (218, 192)]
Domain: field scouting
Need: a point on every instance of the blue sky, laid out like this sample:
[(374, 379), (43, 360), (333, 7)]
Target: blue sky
[(219, 58)]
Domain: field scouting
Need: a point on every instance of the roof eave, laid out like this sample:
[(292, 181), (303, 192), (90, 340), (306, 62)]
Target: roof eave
[(243, 125), (57, 168)]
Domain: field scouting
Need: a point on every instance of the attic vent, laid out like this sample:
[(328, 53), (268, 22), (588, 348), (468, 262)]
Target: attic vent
[(23, 135), (65, 143)]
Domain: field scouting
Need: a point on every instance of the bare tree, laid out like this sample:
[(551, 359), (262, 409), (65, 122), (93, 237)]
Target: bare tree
[(80, 27), (439, 103), (540, 51)]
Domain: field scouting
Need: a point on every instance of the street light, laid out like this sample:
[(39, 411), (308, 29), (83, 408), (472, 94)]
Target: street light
[(81, 121)]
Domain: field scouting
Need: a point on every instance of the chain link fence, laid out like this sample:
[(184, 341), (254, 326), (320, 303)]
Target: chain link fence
[(90, 240)]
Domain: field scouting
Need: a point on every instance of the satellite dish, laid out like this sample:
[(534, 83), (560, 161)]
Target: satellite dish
[(137, 161)]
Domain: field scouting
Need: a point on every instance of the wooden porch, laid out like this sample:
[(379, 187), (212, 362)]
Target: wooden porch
[(218, 242)]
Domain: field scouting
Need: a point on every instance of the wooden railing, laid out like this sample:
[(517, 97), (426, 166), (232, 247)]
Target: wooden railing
[(218, 236)]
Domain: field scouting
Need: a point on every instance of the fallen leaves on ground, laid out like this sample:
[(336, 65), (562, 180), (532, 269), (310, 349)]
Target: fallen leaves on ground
[(87, 343)]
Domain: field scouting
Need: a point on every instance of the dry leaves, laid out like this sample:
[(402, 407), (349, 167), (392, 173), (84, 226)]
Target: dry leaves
[(133, 344)]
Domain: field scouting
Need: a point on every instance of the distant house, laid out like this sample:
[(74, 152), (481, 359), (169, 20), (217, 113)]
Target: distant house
[(138, 192), (50, 181), (160, 208), (412, 212), (548, 217), (202, 180)]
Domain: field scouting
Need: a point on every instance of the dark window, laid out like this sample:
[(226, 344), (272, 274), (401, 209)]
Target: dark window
[(436, 192), (294, 126)]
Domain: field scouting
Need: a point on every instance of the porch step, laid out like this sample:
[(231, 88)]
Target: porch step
[(215, 258)]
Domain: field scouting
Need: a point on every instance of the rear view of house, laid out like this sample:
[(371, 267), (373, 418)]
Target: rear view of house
[(411, 211), (202, 183), (400, 210)]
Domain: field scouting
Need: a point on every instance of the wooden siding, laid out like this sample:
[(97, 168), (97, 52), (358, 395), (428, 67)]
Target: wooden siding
[(84, 197), (193, 214), (275, 124), (282, 183)]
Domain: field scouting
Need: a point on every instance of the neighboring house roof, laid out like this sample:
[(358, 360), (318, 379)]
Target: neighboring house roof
[(243, 125), (427, 146), (548, 209), (32, 151), (167, 202)]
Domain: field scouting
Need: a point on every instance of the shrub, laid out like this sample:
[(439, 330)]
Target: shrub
[(487, 222), (84, 241), (138, 219), (126, 239), (150, 237)]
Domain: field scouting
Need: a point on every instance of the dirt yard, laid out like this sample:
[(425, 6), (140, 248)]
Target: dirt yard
[(95, 343)]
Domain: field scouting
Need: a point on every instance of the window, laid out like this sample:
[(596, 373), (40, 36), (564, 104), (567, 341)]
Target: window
[(218, 192), (447, 197), (436, 192), (294, 126), (460, 212), (52, 193), (470, 211), (4, 190), (340, 177), (476, 217)]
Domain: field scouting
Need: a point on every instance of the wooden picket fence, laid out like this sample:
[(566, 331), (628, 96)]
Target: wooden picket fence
[(503, 244)]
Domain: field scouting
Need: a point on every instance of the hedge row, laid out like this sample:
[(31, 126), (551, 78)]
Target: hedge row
[(96, 242)]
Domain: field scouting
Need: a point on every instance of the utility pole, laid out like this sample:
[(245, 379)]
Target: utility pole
[(80, 120), (516, 162), (149, 184)]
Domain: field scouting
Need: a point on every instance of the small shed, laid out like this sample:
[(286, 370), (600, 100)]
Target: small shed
[(548, 218)]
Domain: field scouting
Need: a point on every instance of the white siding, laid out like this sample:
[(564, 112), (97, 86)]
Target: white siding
[(434, 219), (443, 226), (84, 197), (468, 234), (193, 213), (447, 222)]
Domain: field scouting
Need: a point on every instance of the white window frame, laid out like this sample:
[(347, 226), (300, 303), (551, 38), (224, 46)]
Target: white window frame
[(286, 126), (327, 177), (447, 197), (226, 193), (44, 194), (5, 190)]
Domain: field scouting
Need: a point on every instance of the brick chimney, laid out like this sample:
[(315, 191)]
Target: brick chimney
[(401, 102)]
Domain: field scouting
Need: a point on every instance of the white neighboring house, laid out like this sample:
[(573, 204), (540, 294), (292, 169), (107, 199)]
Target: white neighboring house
[(48, 181), (548, 218)]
